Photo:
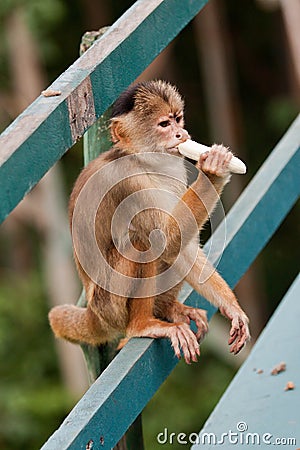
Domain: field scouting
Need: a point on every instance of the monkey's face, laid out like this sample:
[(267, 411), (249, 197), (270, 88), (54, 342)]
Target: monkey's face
[(148, 117), (161, 130), (170, 132)]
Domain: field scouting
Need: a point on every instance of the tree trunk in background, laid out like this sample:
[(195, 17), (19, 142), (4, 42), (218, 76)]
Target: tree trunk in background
[(46, 204), (26, 71), (291, 16), (217, 65)]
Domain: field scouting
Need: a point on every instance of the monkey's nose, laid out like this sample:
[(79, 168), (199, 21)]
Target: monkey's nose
[(183, 135)]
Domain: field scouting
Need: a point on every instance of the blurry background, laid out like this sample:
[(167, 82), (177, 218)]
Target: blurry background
[(238, 66)]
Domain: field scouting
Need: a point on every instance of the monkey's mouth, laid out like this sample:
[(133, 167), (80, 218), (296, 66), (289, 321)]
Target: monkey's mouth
[(173, 150)]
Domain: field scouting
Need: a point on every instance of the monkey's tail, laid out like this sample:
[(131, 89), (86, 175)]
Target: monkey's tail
[(77, 325)]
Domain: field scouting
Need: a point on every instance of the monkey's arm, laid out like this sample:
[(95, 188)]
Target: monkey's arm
[(213, 175), (204, 278), (199, 200)]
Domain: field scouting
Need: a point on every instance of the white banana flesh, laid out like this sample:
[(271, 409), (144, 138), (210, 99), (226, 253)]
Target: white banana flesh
[(193, 150)]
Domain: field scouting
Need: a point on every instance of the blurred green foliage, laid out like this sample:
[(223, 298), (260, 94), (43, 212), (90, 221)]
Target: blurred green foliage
[(32, 398)]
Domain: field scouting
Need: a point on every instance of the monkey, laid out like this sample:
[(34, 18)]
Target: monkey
[(156, 249)]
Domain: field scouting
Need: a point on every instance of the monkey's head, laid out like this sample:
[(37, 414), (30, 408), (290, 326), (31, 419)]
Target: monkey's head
[(148, 117)]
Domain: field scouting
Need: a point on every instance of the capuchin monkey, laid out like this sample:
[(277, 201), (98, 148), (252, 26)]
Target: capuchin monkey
[(150, 246)]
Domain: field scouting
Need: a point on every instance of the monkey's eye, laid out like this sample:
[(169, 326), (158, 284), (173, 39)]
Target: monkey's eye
[(164, 123), (178, 119)]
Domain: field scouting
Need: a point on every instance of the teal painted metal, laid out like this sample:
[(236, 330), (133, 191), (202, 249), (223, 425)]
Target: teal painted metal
[(257, 402), (42, 133), (114, 400), (37, 146), (140, 368)]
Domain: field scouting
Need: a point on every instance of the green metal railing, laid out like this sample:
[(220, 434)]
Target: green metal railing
[(51, 125)]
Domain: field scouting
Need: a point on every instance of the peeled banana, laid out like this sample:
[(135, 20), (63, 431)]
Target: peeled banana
[(193, 150)]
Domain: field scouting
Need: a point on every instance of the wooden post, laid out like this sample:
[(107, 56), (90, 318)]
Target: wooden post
[(95, 141)]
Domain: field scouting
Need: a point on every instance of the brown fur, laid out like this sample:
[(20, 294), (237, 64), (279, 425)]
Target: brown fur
[(143, 129)]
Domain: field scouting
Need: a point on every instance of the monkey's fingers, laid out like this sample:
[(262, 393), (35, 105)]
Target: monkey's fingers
[(234, 331), (202, 325), (191, 350), (175, 345), (239, 335), (239, 332), (217, 161), (185, 347), (186, 313), (182, 338), (201, 160), (238, 345), (200, 319)]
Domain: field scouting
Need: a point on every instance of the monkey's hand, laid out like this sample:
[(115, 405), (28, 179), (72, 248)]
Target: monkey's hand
[(216, 161), (239, 332)]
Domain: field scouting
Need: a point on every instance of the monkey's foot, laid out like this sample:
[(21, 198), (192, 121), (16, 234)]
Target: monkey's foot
[(183, 313), (122, 343), (239, 332), (181, 336)]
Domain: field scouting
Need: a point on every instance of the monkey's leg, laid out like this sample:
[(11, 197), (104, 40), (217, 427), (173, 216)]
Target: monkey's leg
[(140, 312), (167, 307), (142, 323), (142, 320), (204, 278)]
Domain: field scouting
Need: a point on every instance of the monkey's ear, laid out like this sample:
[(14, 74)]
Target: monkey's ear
[(116, 130)]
